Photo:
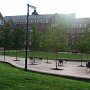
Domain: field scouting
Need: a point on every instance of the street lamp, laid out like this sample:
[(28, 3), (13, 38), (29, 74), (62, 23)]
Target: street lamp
[(27, 31)]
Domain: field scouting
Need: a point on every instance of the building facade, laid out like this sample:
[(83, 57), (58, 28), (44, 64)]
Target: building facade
[(74, 31), (42, 21), (1, 20)]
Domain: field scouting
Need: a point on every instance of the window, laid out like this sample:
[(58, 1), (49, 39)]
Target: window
[(1, 22), (41, 21), (46, 21), (80, 25), (73, 36), (85, 25), (31, 21), (74, 25), (37, 21), (67, 31)]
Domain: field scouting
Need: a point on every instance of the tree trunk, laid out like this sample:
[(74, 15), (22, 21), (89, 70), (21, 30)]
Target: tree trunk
[(56, 61), (87, 55), (47, 56), (4, 53), (16, 54)]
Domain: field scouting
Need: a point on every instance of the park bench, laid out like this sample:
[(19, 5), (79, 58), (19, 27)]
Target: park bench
[(32, 60), (77, 60), (35, 60), (60, 61), (88, 65)]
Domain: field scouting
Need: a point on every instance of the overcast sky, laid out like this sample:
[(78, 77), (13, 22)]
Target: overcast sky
[(19, 7)]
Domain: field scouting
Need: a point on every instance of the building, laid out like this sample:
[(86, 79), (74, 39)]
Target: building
[(1, 20), (74, 31), (43, 21)]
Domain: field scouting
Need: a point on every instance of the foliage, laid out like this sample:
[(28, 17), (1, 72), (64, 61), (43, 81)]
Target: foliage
[(55, 37), (7, 36), (1, 37), (85, 43), (47, 40), (35, 37), (19, 37)]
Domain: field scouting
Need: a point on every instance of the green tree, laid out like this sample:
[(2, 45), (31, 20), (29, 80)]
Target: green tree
[(1, 36), (19, 38), (55, 37), (35, 37), (6, 37)]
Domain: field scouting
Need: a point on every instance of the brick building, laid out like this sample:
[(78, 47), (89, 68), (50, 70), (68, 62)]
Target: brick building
[(74, 32), (1, 20), (43, 21)]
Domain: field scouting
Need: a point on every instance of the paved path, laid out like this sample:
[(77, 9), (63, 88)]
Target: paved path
[(69, 69)]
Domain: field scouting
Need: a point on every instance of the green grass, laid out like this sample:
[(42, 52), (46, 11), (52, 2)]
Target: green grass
[(12, 78), (49, 55)]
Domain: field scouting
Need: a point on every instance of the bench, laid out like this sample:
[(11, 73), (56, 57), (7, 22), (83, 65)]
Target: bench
[(35, 59), (60, 62), (77, 60), (88, 65), (32, 60)]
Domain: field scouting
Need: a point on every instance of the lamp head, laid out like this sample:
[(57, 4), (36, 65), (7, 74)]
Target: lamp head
[(34, 13)]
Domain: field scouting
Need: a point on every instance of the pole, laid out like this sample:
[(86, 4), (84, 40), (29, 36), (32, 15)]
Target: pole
[(26, 46)]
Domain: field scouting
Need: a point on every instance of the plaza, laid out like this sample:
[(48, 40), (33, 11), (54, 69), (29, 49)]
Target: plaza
[(69, 69)]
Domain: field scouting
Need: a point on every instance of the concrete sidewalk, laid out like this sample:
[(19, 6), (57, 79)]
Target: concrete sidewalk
[(69, 69)]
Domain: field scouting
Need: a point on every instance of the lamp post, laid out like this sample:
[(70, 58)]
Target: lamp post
[(27, 31)]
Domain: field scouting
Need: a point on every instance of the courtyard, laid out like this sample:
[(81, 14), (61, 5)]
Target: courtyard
[(70, 69)]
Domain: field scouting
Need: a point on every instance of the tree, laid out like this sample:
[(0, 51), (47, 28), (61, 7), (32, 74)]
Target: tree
[(84, 44), (55, 37), (35, 37), (1, 36), (19, 38), (59, 35), (6, 37)]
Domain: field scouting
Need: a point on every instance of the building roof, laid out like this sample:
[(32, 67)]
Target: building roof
[(83, 20), (37, 17), (31, 17), (1, 17)]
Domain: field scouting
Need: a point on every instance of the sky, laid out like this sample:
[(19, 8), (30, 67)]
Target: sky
[(19, 7)]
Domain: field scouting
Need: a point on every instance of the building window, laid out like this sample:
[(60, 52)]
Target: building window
[(41, 21), (85, 25), (37, 21), (73, 36), (67, 31), (80, 25), (1, 22), (31, 21), (46, 21), (74, 25)]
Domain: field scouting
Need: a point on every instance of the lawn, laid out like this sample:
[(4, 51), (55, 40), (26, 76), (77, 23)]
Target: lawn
[(12, 78), (49, 55)]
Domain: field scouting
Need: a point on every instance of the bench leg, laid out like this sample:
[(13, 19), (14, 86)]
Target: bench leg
[(87, 69)]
